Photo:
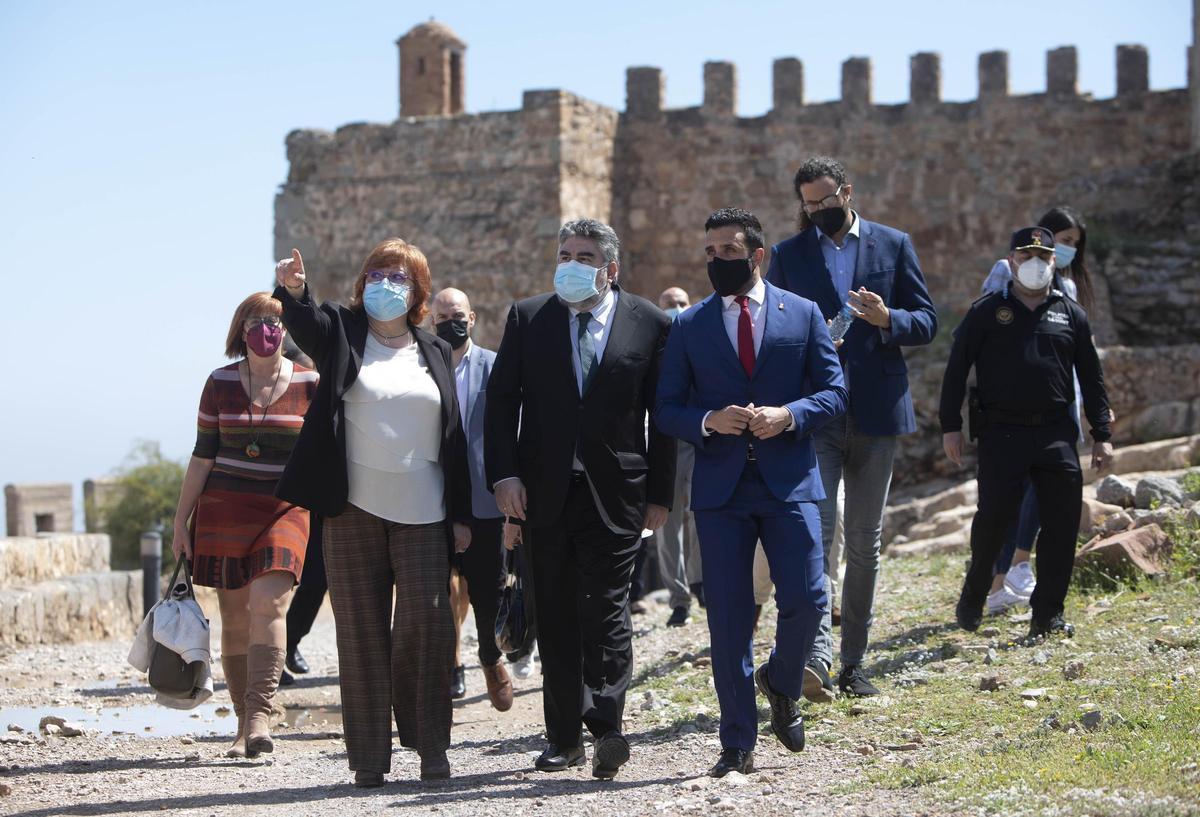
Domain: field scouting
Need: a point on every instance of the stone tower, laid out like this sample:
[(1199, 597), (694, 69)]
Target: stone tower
[(431, 71)]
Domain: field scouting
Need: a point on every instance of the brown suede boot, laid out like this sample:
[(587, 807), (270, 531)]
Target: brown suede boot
[(264, 663), (499, 686), (235, 682)]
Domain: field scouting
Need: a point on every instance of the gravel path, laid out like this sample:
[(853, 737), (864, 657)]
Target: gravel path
[(177, 764)]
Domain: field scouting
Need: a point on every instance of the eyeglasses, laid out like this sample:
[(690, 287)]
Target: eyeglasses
[(829, 201), (266, 320), (397, 277)]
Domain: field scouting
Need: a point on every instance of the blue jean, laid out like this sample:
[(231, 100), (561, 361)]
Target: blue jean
[(865, 462), (1023, 532), (728, 537)]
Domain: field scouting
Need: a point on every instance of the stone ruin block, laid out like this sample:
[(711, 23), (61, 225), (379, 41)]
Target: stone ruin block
[(856, 82), (34, 509), (1133, 69), (643, 92), (1062, 71), (788, 83), (993, 75), (925, 78), (720, 91)]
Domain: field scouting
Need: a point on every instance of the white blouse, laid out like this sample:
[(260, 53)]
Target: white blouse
[(393, 436)]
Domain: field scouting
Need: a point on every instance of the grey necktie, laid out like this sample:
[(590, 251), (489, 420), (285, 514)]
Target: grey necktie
[(587, 350)]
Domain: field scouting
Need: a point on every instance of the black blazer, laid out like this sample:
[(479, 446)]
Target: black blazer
[(334, 337), (532, 392)]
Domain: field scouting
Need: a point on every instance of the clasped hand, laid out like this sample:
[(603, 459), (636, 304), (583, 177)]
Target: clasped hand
[(764, 422)]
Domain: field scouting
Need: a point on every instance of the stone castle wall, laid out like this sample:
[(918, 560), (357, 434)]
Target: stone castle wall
[(483, 194)]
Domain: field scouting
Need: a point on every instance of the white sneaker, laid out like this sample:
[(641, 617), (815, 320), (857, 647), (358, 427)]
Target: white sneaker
[(1020, 580), (1002, 600), (523, 669)]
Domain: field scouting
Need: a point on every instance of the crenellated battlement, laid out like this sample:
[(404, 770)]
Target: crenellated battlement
[(644, 85)]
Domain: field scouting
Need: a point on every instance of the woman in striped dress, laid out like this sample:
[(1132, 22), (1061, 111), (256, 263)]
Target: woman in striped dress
[(240, 538)]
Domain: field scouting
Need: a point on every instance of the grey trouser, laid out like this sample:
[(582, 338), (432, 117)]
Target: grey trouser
[(865, 462), (678, 549)]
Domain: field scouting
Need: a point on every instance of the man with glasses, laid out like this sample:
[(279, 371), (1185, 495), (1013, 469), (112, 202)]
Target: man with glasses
[(868, 273)]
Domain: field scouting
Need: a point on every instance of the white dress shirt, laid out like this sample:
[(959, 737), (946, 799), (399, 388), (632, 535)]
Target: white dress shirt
[(731, 314), (598, 327), (462, 382)]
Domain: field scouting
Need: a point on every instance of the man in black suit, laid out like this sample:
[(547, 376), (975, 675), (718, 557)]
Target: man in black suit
[(567, 454)]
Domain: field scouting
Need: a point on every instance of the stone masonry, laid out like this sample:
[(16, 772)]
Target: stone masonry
[(483, 194), (33, 509)]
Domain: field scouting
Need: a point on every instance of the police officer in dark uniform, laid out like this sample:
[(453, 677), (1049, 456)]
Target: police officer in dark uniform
[(1024, 344)]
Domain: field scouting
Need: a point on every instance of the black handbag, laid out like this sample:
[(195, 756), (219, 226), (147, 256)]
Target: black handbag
[(513, 633), (169, 673)]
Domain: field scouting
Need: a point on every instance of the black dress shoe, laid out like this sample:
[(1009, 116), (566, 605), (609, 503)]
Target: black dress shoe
[(609, 755), (286, 679), (458, 683), (555, 759), (733, 760), (818, 688), (368, 780), (786, 720), (853, 681), (1055, 625), (969, 611), (295, 661), (680, 616)]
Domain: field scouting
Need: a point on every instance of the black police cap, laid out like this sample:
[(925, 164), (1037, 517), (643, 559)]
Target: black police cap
[(1032, 238)]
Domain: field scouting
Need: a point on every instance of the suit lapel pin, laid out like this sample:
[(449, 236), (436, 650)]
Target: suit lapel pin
[(781, 304)]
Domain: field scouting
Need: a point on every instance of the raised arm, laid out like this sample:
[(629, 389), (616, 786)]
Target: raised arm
[(308, 325)]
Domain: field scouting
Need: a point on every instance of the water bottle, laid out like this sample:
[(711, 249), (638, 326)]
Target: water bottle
[(841, 322)]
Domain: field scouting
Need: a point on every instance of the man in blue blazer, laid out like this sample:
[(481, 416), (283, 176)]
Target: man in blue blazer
[(477, 577), (748, 375), (840, 260)]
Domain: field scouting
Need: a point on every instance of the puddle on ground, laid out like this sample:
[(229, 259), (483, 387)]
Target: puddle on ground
[(143, 721), (154, 721)]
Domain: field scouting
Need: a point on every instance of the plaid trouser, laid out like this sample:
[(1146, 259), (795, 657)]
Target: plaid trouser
[(398, 660)]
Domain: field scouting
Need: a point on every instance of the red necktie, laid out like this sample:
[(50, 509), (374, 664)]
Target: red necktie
[(745, 336)]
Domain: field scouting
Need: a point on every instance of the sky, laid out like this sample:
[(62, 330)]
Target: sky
[(142, 143)]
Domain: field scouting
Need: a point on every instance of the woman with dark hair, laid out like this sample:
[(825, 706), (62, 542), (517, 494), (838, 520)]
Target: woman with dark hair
[(382, 458), (1013, 580), (241, 539)]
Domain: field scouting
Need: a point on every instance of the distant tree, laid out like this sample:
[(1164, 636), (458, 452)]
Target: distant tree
[(148, 493)]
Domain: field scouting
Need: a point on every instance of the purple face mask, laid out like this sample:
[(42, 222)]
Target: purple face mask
[(264, 339)]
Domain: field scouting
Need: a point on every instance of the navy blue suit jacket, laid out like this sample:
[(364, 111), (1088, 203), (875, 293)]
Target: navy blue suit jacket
[(880, 402), (796, 367)]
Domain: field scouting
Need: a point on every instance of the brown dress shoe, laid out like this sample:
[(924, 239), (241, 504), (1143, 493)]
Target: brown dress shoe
[(499, 686)]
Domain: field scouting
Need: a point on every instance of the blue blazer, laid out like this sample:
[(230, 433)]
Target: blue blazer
[(796, 367), (880, 402), (479, 368)]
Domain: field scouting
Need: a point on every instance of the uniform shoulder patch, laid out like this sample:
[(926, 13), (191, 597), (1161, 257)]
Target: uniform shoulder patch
[(1004, 315)]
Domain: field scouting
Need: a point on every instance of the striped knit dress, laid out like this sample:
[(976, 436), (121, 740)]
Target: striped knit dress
[(241, 529)]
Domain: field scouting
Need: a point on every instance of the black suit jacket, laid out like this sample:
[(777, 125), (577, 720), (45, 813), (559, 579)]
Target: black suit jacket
[(334, 337), (536, 417)]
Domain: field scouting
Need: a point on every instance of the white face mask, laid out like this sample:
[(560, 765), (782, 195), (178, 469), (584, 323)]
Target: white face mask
[(1035, 274)]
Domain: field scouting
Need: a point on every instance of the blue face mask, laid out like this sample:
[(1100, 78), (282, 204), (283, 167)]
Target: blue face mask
[(1063, 256), (575, 282), (385, 301), (673, 311)]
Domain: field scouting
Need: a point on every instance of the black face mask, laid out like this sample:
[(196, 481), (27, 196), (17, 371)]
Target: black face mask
[(829, 220), (730, 277), (453, 331)]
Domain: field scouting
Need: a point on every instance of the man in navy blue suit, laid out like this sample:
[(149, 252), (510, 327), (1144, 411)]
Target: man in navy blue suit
[(841, 260), (748, 375)]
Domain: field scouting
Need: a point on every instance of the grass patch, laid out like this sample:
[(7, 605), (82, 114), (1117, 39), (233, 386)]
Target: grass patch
[(1137, 653)]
